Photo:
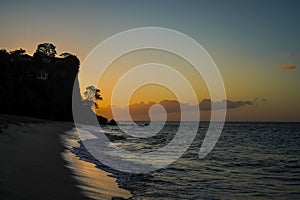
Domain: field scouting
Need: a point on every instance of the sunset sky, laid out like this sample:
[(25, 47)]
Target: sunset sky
[(255, 45)]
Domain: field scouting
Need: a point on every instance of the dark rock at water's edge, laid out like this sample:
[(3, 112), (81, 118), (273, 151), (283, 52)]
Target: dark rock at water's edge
[(104, 121), (112, 122)]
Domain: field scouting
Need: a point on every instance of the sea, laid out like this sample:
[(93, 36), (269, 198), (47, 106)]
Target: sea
[(251, 160)]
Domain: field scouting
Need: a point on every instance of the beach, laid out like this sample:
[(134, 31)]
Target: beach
[(44, 160), (32, 164)]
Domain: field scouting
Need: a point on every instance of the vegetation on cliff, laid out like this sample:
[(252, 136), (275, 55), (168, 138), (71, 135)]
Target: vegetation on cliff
[(40, 85)]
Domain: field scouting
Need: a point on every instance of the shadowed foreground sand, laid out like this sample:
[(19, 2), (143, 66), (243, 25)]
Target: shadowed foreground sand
[(31, 165)]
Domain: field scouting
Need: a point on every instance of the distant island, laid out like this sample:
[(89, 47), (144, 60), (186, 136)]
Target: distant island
[(41, 85)]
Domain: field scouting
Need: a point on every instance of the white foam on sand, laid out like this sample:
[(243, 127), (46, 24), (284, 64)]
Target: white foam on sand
[(94, 182)]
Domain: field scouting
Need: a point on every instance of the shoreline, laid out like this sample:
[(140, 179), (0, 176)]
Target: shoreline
[(96, 183), (32, 164)]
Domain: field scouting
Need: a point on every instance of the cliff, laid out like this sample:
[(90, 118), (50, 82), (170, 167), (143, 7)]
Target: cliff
[(38, 86)]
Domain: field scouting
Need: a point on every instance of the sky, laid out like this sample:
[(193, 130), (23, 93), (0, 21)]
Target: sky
[(255, 45)]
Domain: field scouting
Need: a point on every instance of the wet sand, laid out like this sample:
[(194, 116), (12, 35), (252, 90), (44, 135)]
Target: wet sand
[(32, 166), (95, 183)]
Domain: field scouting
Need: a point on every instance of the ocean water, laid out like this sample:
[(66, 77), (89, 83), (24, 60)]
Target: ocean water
[(254, 160)]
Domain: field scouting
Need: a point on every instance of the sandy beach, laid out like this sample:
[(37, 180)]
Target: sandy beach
[(32, 164)]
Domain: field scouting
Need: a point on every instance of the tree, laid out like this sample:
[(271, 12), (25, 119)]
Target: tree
[(18, 52), (4, 55), (92, 95), (70, 58), (46, 49), (3, 51)]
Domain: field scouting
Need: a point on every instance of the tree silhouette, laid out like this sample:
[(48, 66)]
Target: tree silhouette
[(49, 99), (3, 51), (18, 52), (46, 49), (3, 55), (70, 58), (92, 95)]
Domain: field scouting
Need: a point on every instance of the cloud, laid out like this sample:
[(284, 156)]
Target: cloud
[(288, 67), (140, 108), (173, 108), (289, 59), (206, 104)]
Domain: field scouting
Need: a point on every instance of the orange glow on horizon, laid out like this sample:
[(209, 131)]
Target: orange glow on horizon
[(150, 93)]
